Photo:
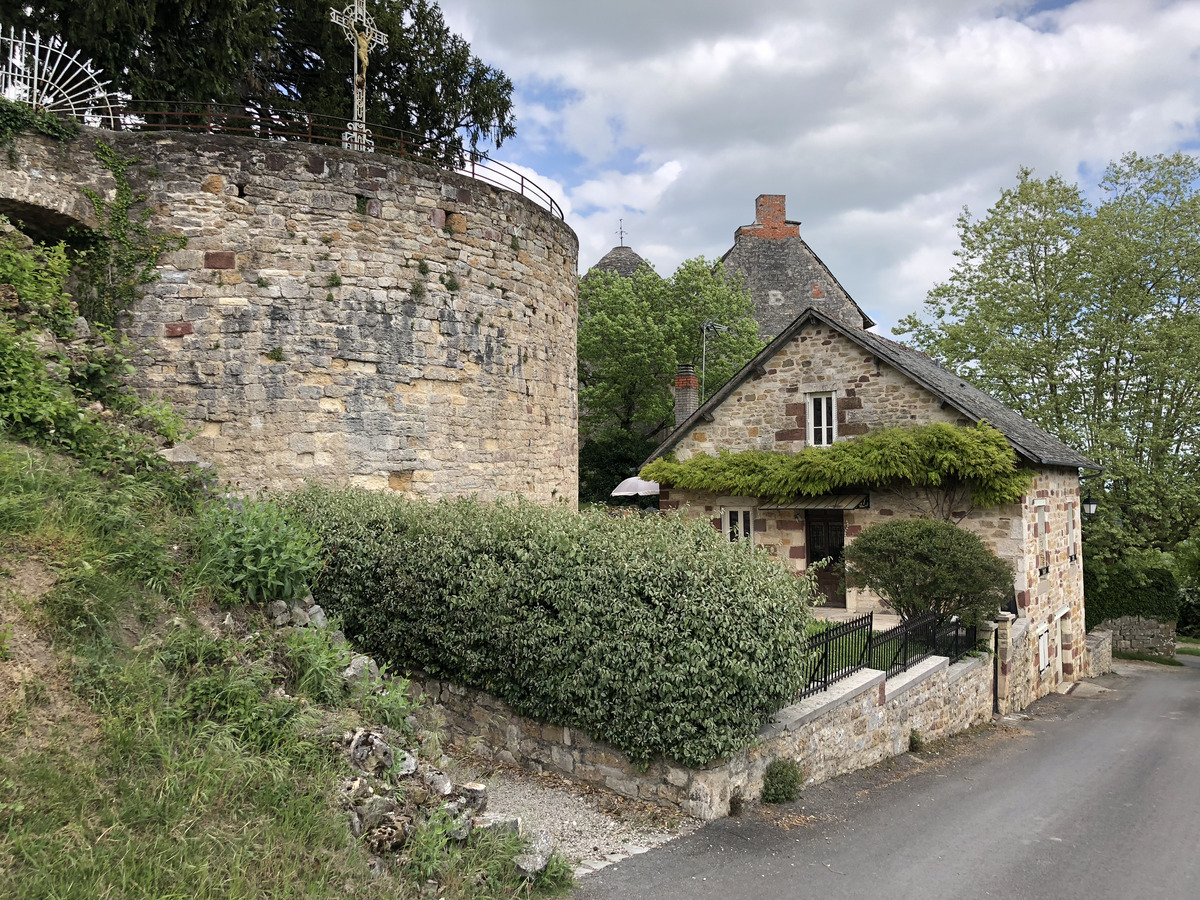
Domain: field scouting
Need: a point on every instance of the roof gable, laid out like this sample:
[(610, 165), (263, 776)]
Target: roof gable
[(1030, 441)]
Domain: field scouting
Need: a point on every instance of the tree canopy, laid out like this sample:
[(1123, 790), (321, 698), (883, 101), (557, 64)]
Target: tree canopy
[(287, 55), (1086, 318), (633, 335)]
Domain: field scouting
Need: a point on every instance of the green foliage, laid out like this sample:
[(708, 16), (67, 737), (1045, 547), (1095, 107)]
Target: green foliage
[(607, 460), (452, 284), (38, 274), (122, 255), (1086, 318), (782, 781), (916, 741), (937, 455), (652, 634), (275, 354), (635, 332), (20, 118), (1188, 623), (259, 549), (262, 54), (1129, 588), (335, 280), (923, 565)]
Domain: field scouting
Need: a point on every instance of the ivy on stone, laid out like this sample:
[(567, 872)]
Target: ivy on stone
[(121, 256), (21, 118), (937, 455)]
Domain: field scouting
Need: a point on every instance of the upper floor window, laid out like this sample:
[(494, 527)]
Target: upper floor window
[(822, 419), (1043, 542)]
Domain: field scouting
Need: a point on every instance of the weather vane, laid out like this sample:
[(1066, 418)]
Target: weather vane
[(621, 232), (357, 136)]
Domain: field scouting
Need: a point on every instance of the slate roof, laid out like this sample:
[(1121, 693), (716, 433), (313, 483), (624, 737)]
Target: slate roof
[(1027, 439), (622, 260)]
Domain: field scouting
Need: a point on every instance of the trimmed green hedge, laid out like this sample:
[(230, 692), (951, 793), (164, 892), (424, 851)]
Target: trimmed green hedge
[(1128, 590), (653, 634)]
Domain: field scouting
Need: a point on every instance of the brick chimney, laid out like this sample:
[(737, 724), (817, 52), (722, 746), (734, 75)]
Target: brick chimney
[(687, 393), (770, 219)]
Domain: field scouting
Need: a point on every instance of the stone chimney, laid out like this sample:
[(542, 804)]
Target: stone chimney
[(770, 219), (687, 393)]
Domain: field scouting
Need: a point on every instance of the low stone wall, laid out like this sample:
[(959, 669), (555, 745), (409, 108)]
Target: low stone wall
[(1133, 634), (856, 723), (1100, 658)]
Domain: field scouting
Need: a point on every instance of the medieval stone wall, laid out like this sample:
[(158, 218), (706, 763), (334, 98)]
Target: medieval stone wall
[(340, 316)]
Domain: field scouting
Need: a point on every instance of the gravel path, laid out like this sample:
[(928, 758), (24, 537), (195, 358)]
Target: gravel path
[(591, 827)]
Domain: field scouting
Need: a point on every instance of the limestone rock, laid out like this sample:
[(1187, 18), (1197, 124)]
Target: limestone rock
[(439, 783), (407, 765), (361, 668), (474, 795), (498, 823), (370, 752), (316, 616), (299, 616), (373, 810), (536, 856)]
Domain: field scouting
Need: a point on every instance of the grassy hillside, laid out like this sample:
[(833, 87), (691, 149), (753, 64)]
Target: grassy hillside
[(154, 744)]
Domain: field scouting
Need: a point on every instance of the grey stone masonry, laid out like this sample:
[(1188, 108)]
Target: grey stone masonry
[(346, 317), (1134, 634), (856, 723), (783, 274)]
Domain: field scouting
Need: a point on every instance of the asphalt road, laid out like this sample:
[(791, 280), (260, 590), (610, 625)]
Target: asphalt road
[(1091, 797)]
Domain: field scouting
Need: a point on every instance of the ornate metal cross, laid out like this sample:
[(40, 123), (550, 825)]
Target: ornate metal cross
[(363, 40)]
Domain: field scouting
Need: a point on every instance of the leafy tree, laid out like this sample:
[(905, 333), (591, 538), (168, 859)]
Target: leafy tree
[(923, 565), (289, 55), (1086, 318), (634, 333)]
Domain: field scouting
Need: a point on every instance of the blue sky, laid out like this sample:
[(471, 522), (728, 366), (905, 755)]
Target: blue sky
[(879, 119)]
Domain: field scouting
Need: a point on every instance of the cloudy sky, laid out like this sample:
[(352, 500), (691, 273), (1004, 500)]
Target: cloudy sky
[(879, 119)]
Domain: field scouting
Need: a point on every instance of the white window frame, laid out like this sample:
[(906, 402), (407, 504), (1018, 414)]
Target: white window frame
[(1043, 639), (738, 524), (827, 404), (1072, 548), (1043, 541)]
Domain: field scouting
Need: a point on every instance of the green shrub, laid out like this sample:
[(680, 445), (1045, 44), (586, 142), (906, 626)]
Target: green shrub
[(258, 549), (1188, 623), (655, 635), (916, 742), (782, 781), (923, 565), (1129, 589)]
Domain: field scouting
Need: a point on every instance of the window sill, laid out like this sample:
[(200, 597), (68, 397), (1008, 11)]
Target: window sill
[(1043, 571)]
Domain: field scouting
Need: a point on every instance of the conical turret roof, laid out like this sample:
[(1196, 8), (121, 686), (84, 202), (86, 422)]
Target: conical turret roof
[(622, 260)]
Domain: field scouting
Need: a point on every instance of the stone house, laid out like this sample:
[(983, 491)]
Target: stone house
[(825, 379)]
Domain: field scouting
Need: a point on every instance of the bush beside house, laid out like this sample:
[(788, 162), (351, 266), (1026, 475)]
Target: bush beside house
[(654, 635)]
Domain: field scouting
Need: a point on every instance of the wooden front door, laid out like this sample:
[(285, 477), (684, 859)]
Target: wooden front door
[(825, 538)]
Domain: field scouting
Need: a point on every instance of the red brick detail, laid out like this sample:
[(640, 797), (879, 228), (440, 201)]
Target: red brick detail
[(682, 382), (220, 259), (793, 409), (178, 329), (1068, 668), (276, 162), (853, 530), (817, 293), (1005, 667), (789, 525), (851, 392), (716, 523), (760, 525), (886, 512), (437, 218), (850, 401), (790, 434), (671, 504), (664, 494), (770, 219), (316, 164), (796, 553), (464, 195), (882, 693), (1022, 599), (853, 429)]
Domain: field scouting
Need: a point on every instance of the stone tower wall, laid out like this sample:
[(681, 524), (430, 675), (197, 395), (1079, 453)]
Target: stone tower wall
[(344, 317)]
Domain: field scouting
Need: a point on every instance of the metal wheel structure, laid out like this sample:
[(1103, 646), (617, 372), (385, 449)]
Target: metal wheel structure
[(43, 73)]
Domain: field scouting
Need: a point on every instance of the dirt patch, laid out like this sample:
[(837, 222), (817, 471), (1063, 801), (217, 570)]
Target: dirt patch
[(35, 688)]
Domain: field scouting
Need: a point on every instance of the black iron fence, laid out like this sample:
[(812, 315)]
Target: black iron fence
[(836, 653), (848, 647)]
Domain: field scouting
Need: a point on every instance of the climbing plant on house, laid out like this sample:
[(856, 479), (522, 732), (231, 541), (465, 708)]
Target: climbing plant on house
[(937, 456)]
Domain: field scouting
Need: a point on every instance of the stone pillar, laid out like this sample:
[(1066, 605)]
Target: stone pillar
[(1072, 671), (687, 393), (1004, 653)]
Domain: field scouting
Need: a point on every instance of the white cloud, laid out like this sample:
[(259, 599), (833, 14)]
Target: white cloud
[(879, 119)]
